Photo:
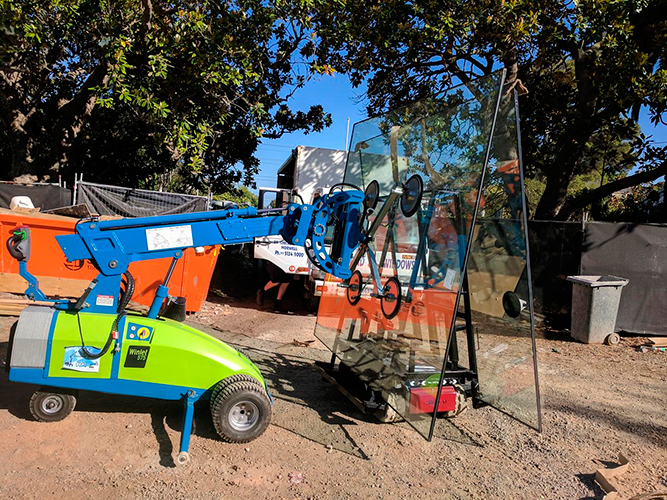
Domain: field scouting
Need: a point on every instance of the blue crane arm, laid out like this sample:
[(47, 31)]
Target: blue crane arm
[(113, 244)]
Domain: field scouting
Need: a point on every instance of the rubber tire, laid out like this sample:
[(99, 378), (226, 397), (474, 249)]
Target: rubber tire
[(311, 303), (230, 380), (68, 404), (612, 339), (226, 398)]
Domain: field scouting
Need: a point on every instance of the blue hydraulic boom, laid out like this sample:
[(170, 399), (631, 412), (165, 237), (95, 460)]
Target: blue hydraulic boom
[(113, 244)]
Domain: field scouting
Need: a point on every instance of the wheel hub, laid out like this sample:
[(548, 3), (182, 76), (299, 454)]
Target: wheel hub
[(52, 404), (244, 415)]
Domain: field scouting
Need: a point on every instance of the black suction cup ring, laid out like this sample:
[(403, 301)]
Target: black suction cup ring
[(354, 287), (413, 189), (390, 302), (372, 195), (512, 304)]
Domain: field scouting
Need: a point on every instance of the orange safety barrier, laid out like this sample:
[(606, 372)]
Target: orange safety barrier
[(57, 277)]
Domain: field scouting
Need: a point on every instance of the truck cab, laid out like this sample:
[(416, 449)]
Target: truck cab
[(304, 176)]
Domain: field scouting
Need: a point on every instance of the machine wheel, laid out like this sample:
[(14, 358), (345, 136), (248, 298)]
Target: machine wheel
[(230, 380), (51, 406), (183, 458), (390, 302), (355, 285), (612, 339), (241, 410)]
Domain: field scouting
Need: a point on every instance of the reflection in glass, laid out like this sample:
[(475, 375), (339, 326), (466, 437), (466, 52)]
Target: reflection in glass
[(391, 323)]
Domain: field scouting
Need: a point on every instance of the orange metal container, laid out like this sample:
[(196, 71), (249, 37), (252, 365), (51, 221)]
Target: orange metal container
[(191, 278)]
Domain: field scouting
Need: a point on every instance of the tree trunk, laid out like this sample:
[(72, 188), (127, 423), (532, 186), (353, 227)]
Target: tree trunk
[(552, 199)]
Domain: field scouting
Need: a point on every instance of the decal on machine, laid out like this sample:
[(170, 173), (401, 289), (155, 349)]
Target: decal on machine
[(169, 237), (104, 300), (75, 360), (139, 332), (137, 355)]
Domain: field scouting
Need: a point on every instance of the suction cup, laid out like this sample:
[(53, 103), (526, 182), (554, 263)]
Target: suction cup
[(412, 195), (372, 195), (390, 302), (354, 287)]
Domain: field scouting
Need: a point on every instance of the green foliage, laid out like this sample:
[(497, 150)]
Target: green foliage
[(589, 67), (200, 81), (642, 203), (240, 195)]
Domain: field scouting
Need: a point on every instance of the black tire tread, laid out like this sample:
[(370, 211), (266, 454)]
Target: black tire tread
[(226, 382), (226, 392), (70, 403)]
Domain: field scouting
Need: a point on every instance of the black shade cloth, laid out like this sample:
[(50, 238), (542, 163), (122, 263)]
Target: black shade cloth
[(555, 253), (637, 252), (44, 196), (128, 202)]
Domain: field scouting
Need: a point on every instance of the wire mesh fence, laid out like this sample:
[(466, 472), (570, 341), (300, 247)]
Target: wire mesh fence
[(129, 202)]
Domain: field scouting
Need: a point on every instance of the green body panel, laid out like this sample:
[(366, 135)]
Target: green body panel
[(182, 355), (95, 330), (169, 352)]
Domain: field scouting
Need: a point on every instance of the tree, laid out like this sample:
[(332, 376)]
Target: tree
[(589, 67), (191, 85), (240, 195)]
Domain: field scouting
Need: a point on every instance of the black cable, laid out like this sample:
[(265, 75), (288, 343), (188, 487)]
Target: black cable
[(125, 298), (341, 184)]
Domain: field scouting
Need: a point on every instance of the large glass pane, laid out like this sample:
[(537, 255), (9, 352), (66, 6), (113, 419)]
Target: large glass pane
[(445, 142), (499, 280)]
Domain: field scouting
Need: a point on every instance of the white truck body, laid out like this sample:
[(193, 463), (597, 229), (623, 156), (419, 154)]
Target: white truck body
[(308, 171)]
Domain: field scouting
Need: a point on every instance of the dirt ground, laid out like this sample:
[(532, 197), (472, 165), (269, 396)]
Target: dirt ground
[(597, 401)]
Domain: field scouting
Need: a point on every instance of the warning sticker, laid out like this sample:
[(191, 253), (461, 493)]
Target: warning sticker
[(104, 300), (169, 237)]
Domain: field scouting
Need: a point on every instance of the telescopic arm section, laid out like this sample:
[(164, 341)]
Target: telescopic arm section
[(113, 244)]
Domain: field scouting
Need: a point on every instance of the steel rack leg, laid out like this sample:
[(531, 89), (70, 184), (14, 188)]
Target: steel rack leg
[(189, 407)]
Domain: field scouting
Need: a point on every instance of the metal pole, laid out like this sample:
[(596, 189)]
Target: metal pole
[(529, 276), (74, 190), (347, 135)]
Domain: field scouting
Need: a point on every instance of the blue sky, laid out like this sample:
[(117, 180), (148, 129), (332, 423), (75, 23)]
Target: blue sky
[(338, 97)]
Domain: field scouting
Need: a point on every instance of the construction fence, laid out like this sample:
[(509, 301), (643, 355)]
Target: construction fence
[(637, 252), (129, 202)]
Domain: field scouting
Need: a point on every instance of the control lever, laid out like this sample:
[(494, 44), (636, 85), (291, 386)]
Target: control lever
[(18, 244), (81, 303)]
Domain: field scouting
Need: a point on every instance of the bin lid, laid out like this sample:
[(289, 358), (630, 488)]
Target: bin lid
[(598, 281)]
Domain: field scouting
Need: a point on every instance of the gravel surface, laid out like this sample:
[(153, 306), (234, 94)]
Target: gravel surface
[(597, 401)]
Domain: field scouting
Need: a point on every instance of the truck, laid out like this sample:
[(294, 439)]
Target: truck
[(306, 174)]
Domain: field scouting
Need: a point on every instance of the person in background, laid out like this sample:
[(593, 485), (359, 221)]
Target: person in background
[(277, 278)]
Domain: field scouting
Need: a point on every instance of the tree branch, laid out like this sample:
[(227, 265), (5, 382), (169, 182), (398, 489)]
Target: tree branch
[(580, 201)]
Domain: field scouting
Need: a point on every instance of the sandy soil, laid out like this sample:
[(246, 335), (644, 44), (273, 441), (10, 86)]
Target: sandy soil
[(597, 401)]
